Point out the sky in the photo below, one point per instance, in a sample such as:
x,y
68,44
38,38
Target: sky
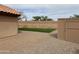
x,y
53,11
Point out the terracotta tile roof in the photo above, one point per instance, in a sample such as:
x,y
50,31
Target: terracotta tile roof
x,y
9,10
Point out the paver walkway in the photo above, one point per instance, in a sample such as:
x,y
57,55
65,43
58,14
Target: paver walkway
x,y
36,42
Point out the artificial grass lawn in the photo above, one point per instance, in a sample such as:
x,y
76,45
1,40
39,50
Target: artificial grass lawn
x,y
46,30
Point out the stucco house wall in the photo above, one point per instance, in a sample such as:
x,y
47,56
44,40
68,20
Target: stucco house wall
x,y
8,21
8,26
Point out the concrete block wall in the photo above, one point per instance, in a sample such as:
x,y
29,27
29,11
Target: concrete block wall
x,y
38,24
68,29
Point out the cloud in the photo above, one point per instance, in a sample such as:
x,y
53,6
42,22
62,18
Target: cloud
x,y
53,11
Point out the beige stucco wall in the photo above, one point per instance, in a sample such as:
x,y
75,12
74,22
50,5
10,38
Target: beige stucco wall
x,y
8,26
38,24
68,30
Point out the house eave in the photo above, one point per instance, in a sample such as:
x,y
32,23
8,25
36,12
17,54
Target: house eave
x,y
9,14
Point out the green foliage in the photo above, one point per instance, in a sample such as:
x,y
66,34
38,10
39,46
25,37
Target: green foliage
x,y
36,18
41,18
77,16
44,18
46,30
49,19
74,16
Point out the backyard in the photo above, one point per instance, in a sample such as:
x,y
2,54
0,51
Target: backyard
x,y
36,42
45,30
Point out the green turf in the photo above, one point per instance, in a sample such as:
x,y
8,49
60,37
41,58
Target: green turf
x,y
46,30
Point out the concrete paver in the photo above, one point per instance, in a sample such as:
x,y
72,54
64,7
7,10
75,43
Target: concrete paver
x,y
36,42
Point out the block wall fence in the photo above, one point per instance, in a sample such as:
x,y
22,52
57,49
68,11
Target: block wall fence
x,y
38,24
68,29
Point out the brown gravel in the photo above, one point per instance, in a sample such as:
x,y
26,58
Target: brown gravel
x,y
36,42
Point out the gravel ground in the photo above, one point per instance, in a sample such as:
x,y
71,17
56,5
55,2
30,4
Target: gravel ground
x,y
36,43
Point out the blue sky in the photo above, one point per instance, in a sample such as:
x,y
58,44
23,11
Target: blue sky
x,y
53,11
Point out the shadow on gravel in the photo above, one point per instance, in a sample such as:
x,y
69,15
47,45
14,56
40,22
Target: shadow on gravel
x,y
54,35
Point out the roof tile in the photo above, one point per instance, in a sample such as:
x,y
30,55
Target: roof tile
x,y
8,10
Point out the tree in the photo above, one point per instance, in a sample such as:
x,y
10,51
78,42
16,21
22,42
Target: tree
x,y
74,16
36,18
77,16
22,17
49,19
41,18
44,18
